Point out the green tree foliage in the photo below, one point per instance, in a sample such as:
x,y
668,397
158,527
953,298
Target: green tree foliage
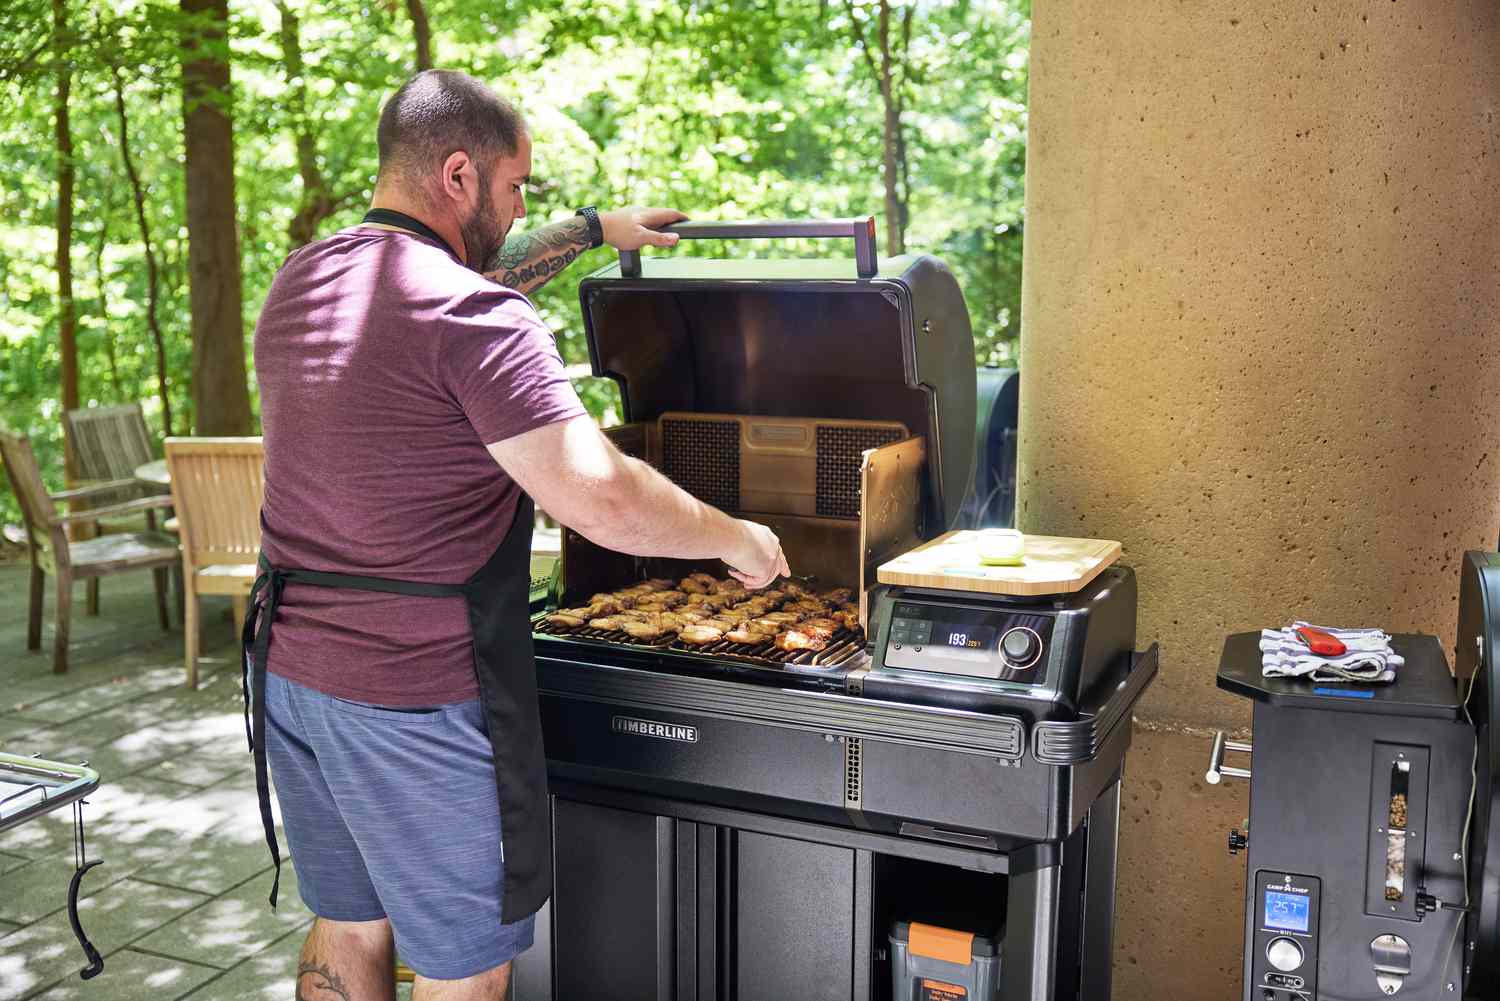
x,y
727,109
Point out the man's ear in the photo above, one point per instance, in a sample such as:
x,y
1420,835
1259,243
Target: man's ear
x,y
457,177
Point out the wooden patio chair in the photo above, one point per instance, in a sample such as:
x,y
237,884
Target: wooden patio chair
x,y
217,486
51,552
108,444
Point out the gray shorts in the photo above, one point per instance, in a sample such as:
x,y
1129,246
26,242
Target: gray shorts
x,y
393,813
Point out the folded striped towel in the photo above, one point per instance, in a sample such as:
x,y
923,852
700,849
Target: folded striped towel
x,y
1369,657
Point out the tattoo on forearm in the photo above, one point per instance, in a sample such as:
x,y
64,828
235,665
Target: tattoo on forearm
x,y
537,273
528,261
319,983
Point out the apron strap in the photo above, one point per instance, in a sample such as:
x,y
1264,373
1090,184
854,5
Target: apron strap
x,y
256,646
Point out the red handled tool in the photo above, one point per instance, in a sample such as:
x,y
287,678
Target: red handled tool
x,y
1324,644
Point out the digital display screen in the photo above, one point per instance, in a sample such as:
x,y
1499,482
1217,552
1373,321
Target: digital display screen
x,y
968,636
1287,911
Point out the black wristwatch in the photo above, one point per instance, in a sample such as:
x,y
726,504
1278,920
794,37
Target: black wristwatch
x,y
596,228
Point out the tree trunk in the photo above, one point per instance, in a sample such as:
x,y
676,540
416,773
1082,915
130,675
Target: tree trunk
x,y
67,322
422,31
893,139
316,203
111,356
152,281
895,210
221,398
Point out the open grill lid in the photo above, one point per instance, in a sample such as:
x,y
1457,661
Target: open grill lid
x,y
795,338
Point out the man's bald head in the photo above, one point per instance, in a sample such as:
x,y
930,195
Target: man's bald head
x,y
436,113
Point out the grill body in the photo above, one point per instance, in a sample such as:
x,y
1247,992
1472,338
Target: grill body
x,y
1373,812
733,823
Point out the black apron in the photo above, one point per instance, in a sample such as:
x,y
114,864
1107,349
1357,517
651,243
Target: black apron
x,y
498,597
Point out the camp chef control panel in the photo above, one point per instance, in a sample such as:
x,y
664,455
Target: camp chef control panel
x,y
1284,963
998,644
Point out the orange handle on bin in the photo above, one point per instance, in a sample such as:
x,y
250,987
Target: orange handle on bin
x,y
941,943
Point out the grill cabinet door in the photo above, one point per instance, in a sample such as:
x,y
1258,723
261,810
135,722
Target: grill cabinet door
x,y
794,919
614,904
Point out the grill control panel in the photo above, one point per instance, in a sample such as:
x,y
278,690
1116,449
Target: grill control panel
x,y
992,643
1284,957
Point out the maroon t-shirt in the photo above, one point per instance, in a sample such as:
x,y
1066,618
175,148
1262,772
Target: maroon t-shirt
x,y
385,366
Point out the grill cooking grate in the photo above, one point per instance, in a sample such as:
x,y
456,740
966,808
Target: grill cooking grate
x,y
841,647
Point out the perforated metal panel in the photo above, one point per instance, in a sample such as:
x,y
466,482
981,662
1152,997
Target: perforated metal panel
x,y
854,772
703,458
839,449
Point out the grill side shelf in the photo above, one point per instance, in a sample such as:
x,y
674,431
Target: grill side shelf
x,y
1073,742
923,726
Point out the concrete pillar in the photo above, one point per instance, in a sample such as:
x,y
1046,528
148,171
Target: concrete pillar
x,y
1260,346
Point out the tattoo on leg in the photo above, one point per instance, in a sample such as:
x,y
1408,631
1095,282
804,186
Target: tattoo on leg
x,y
319,983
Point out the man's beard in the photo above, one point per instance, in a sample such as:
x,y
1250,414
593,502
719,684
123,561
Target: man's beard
x,y
481,233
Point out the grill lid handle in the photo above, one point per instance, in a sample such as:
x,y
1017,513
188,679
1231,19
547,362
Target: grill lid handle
x,y
861,229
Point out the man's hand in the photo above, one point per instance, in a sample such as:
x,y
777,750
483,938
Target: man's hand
x,y
759,559
634,227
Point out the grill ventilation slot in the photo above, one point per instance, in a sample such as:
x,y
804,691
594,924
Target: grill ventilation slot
x,y
703,458
839,449
854,774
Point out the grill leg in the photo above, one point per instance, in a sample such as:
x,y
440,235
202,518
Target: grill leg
x,y
1097,948
1031,936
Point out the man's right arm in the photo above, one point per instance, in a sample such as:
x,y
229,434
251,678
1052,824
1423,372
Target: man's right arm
x,y
578,477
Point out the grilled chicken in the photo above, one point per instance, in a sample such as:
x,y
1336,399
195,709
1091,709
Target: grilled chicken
x,y
657,584
609,623
784,617
662,600
641,630
811,606
796,639
838,596
617,600
847,616
795,590
752,633
571,618
819,627
700,635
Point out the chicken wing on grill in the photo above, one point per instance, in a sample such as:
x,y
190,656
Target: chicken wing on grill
x,y
811,606
642,629
837,596
754,633
796,639
824,628
570,618
662,600
700,635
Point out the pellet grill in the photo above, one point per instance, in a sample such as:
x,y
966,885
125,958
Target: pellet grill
x,y
1373,849
739,822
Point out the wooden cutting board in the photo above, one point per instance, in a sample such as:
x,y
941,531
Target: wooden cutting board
x,y
1053,565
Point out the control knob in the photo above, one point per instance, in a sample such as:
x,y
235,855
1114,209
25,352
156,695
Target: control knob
x,y
1284,954
1020,646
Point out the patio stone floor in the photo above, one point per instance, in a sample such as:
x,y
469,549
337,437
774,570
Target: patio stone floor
x,y
178,909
